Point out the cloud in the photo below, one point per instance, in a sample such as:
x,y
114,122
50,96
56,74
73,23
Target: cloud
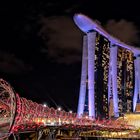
x,y
62,38
124,30
10,64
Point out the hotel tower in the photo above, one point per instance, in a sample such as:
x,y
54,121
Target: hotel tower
x,y
110,74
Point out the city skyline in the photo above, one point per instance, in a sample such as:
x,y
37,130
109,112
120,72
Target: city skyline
x,y
25,61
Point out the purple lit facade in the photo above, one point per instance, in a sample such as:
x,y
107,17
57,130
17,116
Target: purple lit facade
x,y
82,94
113,75
115,78
137,82
87,72
91,53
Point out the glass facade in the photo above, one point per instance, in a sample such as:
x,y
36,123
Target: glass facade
x,y
125,79
102,53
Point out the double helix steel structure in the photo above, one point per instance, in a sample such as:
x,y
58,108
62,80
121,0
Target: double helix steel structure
x,y
17,114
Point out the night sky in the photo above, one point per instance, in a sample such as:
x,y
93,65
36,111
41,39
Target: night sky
x,y
40,46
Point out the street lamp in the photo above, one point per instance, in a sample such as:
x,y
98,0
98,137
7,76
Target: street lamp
x,y
59,108
70,111
45,105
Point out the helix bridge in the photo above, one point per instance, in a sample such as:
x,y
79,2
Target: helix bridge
x,y
18,114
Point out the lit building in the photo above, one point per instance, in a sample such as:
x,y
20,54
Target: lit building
x,y
101,76
125,80
110,74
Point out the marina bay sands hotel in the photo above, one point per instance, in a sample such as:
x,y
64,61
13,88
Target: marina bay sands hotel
x,y
110,76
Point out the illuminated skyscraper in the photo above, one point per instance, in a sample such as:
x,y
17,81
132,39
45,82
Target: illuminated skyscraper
x,y
101,71
125,79
110,72
87,75
94,76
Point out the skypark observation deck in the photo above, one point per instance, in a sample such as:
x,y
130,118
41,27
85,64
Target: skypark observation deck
x,y
86,25
112,70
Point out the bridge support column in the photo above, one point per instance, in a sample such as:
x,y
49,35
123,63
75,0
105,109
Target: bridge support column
x,y
113,74
137,82
91,61
82,93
